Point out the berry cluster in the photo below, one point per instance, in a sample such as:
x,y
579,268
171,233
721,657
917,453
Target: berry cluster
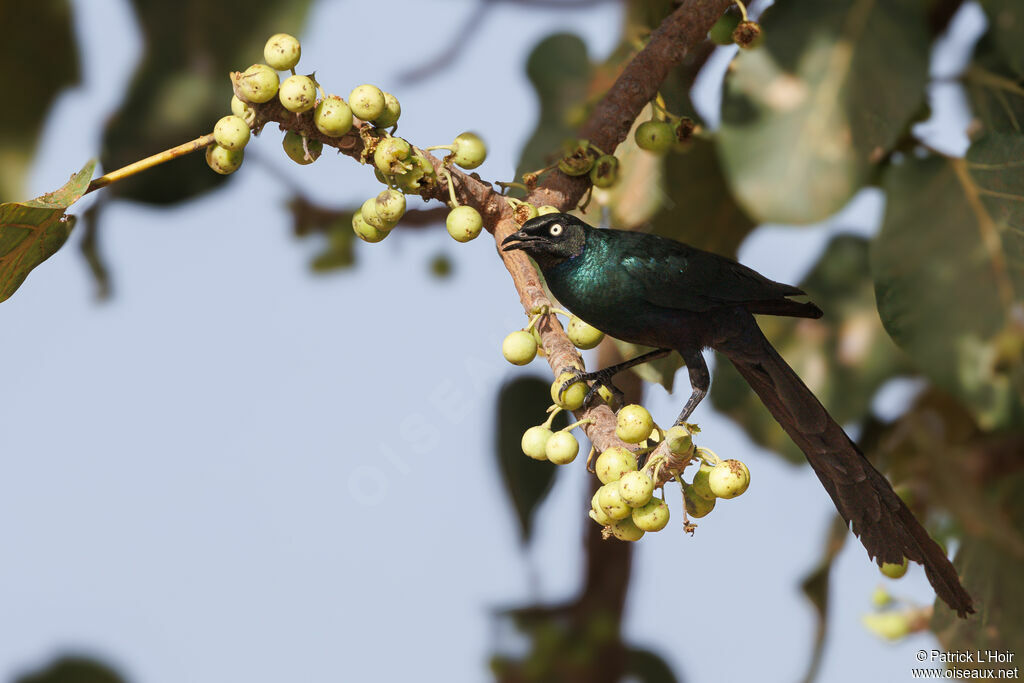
x,y
403,168
625,503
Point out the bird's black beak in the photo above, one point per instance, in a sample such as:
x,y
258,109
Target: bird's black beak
x,y
519,240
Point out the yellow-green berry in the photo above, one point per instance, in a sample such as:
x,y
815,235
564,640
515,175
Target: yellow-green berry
x,y
470,151
282,51
697,506
370,215
519,347
392,110
701,482
390,155
241,109
464,223
654,136
633,424
596,513
729,479
573,396
390,205
582,334
888,625
613,462
651,517
523,212
257,84
626,530
893,570
293,147
367,102
611,502
332,116
546,209
636,488
605,172
223,160
365,231
231,132
535,441
747,34
297,93
680,439
562,448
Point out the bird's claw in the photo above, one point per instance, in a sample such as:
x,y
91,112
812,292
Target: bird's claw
x,y
600,379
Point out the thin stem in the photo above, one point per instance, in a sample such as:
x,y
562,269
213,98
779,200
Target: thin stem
x,y
743,9
151,161
451,186
576,424
551,417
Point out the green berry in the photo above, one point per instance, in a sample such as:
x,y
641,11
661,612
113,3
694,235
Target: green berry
x,y
470,151
729,479
636,488
880,597
223,160
365,231
390,205
392,110
605,172
697,506
888,625
535,441
578,159
367,102
257,84
562,448
231,132
416,178
633,424
627,530
701,484
371,216
519,347
297,94
523,212
390,155
293,147
241,109
651,517
680,439
611,502
282,51
573,396
613,463
894,571
332,116
583,335
654,136
596,513
464,223
546,209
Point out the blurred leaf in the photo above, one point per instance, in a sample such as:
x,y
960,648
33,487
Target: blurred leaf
x,y
90,249
843,357
73,669
33,231
648,667
991,573
521,404
996,92
661,371
560,71
816,587
181,87
807,115
336,224
1006,25
40,57
948,266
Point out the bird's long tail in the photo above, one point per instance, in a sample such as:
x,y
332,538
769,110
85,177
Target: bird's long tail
x,y
865,499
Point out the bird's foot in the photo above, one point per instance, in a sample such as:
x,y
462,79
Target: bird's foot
x,y
601,379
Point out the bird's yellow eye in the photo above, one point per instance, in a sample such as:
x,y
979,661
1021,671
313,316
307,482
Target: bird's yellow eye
x,y
556,230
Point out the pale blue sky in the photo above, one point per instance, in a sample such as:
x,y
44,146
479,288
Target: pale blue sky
x,y
238,471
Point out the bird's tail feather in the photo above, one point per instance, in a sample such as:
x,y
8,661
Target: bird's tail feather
x,y
864,498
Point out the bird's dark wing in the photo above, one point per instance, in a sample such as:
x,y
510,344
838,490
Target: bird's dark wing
x,y
678,276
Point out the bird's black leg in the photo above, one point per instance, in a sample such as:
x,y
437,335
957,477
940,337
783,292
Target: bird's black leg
x,y
700,380
603,378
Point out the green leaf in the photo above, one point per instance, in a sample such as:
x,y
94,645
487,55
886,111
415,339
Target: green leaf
x,y
73,669
560,71
40,57
33,231
1006,26
646,666
521,404
948,267
806,116
995,91
843,357
182,87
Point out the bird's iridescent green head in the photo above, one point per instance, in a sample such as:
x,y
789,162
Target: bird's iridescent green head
x,y
550,239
